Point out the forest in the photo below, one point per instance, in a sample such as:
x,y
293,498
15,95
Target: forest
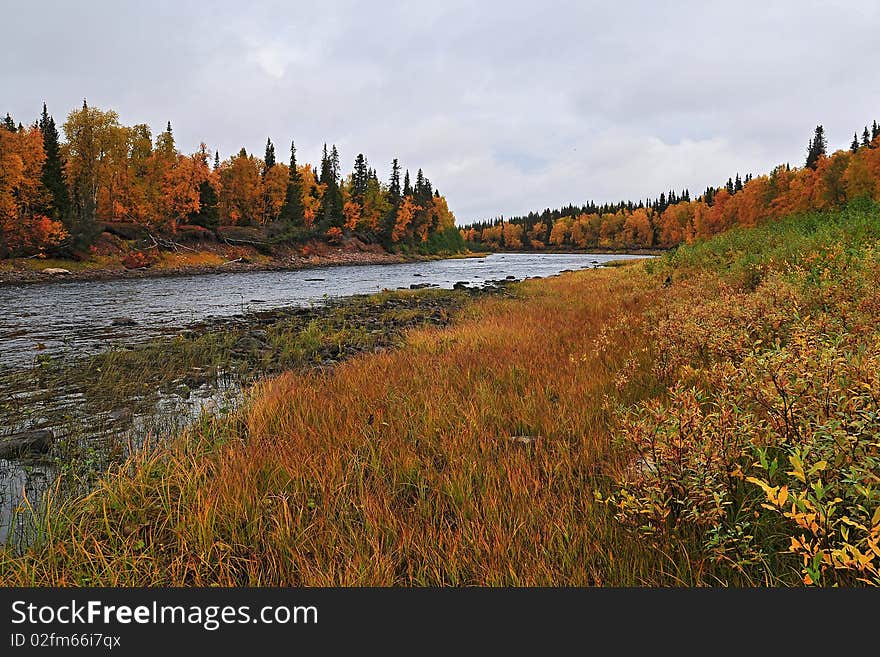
x,y
825,182
58,195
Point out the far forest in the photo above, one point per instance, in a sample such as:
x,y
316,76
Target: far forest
x,y
824,182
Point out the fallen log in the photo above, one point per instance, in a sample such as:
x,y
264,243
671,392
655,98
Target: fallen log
x,y
29,442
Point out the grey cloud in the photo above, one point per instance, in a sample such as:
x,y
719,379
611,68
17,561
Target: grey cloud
x,y
507,106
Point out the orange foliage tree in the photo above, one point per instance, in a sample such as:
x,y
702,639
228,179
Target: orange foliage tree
x,y
23,229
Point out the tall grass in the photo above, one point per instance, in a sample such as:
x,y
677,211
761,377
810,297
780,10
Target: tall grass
x,y
469,456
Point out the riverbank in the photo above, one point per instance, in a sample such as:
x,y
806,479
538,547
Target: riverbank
x,y
187,263
587,251
707,418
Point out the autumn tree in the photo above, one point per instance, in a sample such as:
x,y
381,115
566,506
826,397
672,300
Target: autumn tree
x,y
405,214
637,230
241,193
92,136
181,188
24,229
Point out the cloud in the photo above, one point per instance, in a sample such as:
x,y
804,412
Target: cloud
x,y
271,59
506,106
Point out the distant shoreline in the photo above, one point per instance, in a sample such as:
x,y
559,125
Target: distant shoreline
x,y
22,275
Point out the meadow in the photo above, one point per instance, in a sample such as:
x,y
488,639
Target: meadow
x,y
709,417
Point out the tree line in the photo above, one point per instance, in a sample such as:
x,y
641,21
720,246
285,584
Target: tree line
x,y
57,195
825,181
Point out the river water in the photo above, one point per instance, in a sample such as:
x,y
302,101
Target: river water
x,y
75,319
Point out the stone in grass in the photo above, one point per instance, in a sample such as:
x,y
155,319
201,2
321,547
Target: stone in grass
x,y
55,271
29,442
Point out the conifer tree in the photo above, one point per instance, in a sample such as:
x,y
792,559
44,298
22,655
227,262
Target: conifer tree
x,y
866,138
737,185
331,202
292,212
269,159
208,215
407,188
359,178
875,130
53,169
216,160
393,197
324,177
854,146
817,148
8,123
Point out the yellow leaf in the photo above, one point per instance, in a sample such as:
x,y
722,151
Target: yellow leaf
x,y
798,466
783,495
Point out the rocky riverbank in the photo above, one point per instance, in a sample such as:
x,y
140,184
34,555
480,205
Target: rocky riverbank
x,y
19,272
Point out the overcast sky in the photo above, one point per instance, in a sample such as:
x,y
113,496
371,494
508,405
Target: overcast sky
x,y
507,106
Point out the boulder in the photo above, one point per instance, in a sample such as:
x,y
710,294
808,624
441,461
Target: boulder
x,y
125,229
123,321
30,442
55,271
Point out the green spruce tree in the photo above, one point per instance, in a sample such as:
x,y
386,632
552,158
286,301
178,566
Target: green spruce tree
x,y
359,178
818,147
293,212
269,158
53,170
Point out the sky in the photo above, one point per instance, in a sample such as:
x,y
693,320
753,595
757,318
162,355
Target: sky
x,y
507,106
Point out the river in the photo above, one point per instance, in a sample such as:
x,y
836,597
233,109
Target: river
x,y
76,318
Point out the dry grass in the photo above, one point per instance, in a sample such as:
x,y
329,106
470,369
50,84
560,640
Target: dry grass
x,y
174,260
469,456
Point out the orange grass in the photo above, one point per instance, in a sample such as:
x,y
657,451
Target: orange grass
x,y
396,468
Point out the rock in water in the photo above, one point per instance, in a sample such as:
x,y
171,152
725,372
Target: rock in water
x,y
123,321
30,442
